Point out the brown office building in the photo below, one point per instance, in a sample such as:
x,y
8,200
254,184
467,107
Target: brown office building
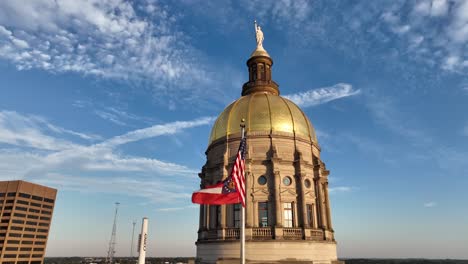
x,y
25,212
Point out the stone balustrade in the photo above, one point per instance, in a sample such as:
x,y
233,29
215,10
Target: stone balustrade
x,y
232,233
268,233
292,233
262,233
316,234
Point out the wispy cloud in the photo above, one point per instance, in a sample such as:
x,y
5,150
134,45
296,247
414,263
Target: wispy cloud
x,y
465,130
119,40
30,131
280,11
430,204
386,113
154,190
64,159
341,189
323,95
172,209
156,130
433,32
444,44
109,117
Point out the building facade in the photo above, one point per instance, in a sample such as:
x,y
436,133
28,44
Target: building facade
x,y
288,218
25,215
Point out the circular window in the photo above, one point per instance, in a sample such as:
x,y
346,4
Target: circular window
x,y
262,180
307,183
287,181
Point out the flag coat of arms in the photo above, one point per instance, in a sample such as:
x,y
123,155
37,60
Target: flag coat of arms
x,y
229,191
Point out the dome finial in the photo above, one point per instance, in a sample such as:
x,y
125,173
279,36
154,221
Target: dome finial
x,y
259,51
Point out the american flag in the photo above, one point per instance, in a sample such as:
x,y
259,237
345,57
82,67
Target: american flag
x,y
238,171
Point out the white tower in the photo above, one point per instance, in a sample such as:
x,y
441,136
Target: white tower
x,y
142,241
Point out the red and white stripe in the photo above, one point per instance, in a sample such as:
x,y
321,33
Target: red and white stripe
x,y
238,176
214,195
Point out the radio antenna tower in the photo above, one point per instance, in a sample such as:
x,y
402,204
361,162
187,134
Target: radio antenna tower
x,y
133,235
111,252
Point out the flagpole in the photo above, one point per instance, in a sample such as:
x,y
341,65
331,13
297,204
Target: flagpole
x,y
242,242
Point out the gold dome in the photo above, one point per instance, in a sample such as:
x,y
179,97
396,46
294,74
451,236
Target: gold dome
x,y
263,112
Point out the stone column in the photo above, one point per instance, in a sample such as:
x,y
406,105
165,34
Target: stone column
x,y
278,208
255,213
323,205
314,215
295,208
223,222
201,223
278,226
207,216
303,207
248,196
327,203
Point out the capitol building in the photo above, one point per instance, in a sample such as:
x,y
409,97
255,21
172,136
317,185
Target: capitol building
x,y
288,218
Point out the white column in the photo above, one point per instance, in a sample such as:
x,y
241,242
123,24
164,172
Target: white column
x,y
143,238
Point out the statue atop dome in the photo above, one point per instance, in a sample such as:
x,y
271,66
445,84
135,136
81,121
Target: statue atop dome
x,y
259,50
258,35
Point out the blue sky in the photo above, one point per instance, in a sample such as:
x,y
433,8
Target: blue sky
x,y
113,100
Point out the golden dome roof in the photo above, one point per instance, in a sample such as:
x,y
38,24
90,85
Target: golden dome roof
x,y
261,106
263,112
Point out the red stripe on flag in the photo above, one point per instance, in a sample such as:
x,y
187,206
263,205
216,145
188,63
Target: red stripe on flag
x,y
215,198
238,174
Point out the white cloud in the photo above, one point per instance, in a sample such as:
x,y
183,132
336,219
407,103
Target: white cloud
x,y
439,7
31,131
172,209
20,43
340,189
27,131
465,130
152,190
41,156
111,117
323,95
435,8
104,38
281,10
386,113
4,31
115,115
156,130
451,62
430,204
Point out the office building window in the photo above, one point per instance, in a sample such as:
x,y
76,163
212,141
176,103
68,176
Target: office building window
x,y
47,200
24,195
37,198
22,202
